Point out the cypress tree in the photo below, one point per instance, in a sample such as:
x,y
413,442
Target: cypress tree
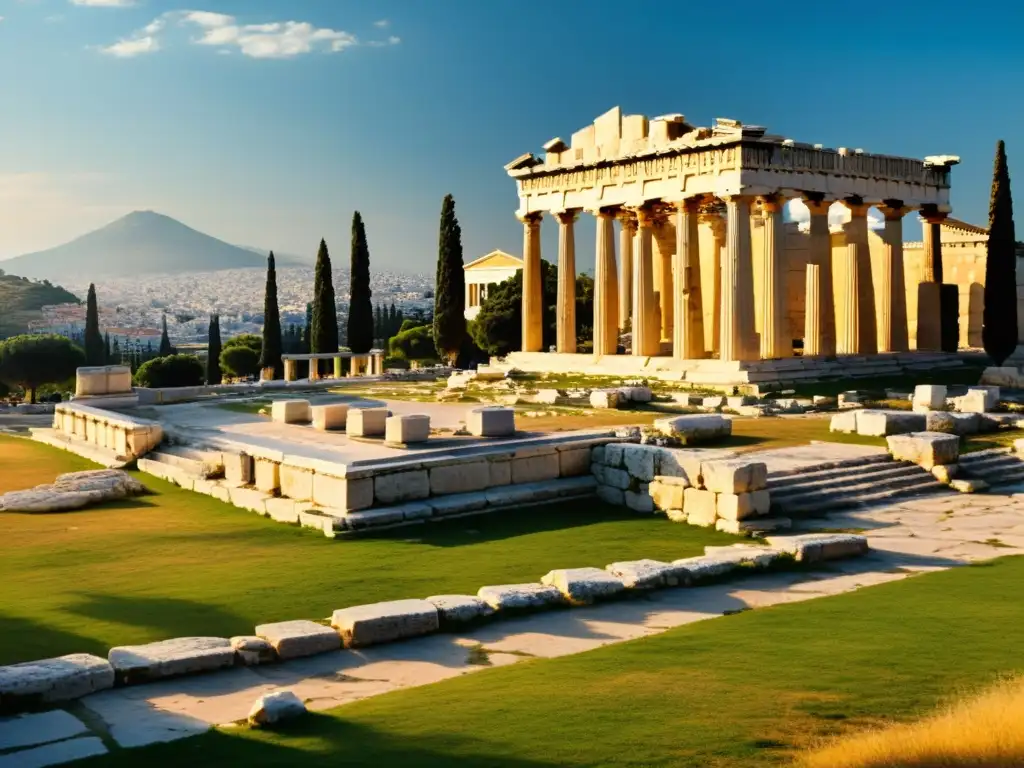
x,y
450,287
323,335
94,349
999,320
165,341
116,353
378,324
360,310
107,354
213,350
392,318
270,353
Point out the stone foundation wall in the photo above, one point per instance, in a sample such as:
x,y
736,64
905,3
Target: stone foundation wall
x,y
125,436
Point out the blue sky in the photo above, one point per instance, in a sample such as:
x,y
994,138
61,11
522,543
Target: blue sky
x,y
272,135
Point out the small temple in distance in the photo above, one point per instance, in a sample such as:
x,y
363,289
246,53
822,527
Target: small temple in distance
x,y
710,281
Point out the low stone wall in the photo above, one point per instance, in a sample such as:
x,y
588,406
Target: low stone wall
x,y
127,437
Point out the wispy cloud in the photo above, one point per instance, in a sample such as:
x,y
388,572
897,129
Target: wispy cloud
x,y
392,40
131,47
382,24
105,3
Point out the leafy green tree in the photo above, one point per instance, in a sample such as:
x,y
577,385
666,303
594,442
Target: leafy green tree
x,y
498,328
213,350
31,361
414,344
270,352
165,341
450,286
170,371
999,320
93,342
360,308
240,360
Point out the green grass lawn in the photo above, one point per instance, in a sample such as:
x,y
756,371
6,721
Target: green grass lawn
x,y
177,563
750,689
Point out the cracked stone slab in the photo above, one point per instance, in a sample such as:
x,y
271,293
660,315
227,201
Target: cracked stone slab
x,y
54,754
33,729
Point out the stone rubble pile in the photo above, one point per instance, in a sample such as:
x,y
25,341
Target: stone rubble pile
x,y
73,490
51,681
688,486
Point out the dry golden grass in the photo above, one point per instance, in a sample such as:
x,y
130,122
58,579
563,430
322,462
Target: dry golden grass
x,y
984,731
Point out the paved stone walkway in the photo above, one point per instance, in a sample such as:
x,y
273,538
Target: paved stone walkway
x,y
914,536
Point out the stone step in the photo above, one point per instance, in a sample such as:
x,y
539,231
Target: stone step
x,y
102,456
857,476
172,473
195,463
796,475
823,503
910,480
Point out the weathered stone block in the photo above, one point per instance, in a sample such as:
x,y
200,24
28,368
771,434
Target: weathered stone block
x,y
817,547
329,416
238,468
972,485
414,428
247,498
513,597
844,422
953,423
491,421
684,463
636,394
695,428
342,492
294,639
648,574
613,455
574,462
944,473
283,510
700,507
454,610
268,476
368,518
460,478
610,495
366,422
640,461
32,683
882,423
273,708
925,448
606,398
582,586
401,486
532,469
290,411
735,506
640,501
667,495
734,475
616,478
251,651
739,401
296,482
931,397
170,658
500,471
457,503
753,525
384,622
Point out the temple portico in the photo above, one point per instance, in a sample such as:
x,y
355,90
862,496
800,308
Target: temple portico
x,y
705,264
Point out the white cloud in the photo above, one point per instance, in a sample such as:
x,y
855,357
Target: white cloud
x,y
382,24
131,47
105,3
392,40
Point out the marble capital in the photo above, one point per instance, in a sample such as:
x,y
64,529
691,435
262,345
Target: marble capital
x,y
857,207
566,217
530,219
893,210
772,203
818,206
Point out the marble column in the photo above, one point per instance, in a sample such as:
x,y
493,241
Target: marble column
x,y
533,300
932,228
337,367
820,246
663,280
892,295
737,306
565,338
290,373
774,336
606,287
812,312
716,223
688,330
646,341
627,229
314,369
858,298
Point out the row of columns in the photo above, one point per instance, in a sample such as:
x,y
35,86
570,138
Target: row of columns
x,y
631,294
369,364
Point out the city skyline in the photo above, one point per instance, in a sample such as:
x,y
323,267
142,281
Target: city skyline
x,y
269,127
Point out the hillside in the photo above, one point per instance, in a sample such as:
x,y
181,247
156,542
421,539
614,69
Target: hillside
x,y
140,243
21,299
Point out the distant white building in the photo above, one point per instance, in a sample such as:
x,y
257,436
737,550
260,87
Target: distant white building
x,y
495,267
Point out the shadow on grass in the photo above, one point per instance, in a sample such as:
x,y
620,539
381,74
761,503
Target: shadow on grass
x,y
318,741
26,640
166,617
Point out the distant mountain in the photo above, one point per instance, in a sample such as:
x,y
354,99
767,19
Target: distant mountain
x,y
140,243
282,259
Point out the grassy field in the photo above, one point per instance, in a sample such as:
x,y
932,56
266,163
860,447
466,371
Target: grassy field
x,y
753,689
177,563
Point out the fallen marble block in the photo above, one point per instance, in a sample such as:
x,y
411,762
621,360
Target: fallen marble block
x,y
491,421
648,574
272,708
606,398
170,658
412,428
925,448
384,622
734,475
583,586
720,561
695,428
459,609
817,547
844,422
294,639
968,485
872,423
252,651
520,597
47,681
704,568
290,411
73,490
929,397
953,423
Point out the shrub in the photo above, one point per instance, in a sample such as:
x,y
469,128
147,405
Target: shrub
x,y
170,371
414,344
240,361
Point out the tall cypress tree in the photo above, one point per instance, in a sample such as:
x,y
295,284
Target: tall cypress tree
x,y
324,328
107,354
93,342
999,320
450,288
213,350
360,309
270,353
165,341
378,327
